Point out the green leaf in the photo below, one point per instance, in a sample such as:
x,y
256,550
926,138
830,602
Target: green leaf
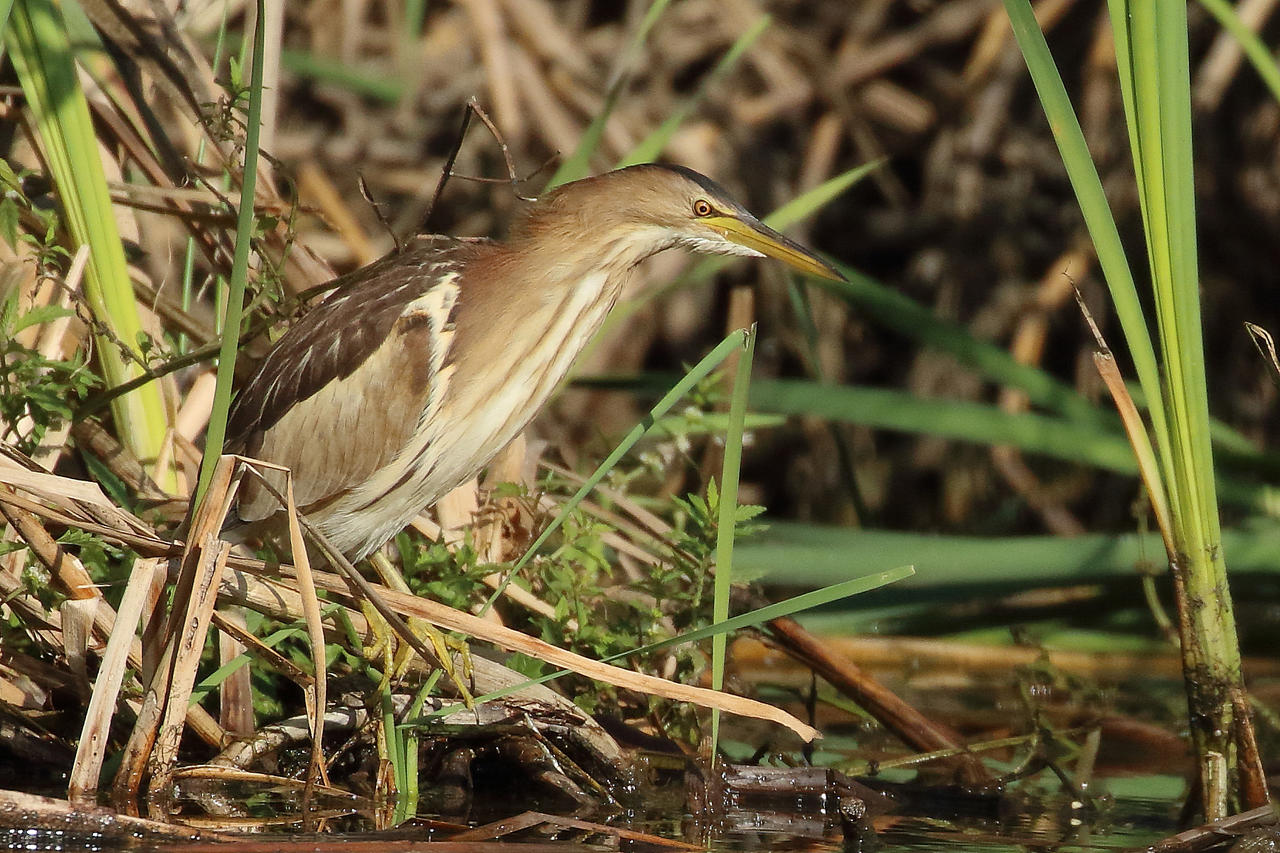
x,y
957,419
9,217
1093,205
727,512
9,178
810,554
1255,49
40,314
234,301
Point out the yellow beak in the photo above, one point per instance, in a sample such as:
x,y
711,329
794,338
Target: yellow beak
x,y
758,237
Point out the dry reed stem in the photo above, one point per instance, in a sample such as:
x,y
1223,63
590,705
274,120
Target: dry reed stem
x,y
122,643
65,566
1136,430
317,692
153,744
1266,345
528,820
235,693
946,657
269,596
189,621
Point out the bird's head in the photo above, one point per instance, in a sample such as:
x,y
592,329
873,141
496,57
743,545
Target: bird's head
x,y
652,207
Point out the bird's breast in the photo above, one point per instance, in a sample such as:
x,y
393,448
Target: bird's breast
x,y
489,385
502,380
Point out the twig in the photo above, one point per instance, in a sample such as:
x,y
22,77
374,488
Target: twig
x,y
447,171
912,727
382,217
473,108
1216,832
1266,348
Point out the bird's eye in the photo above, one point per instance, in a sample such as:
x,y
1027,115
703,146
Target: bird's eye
x,y
702,207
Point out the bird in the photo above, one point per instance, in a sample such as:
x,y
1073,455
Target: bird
x,y
421,366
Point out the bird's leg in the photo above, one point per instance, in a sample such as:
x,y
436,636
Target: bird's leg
x,y
381,646
420,627
392,619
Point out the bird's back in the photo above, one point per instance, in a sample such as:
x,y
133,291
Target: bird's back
x,y
342,391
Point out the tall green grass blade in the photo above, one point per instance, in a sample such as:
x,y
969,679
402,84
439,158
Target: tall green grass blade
x,y
1097,214
803,555
407,802
1255,49
190,251
578,164
809,554
1161,142
957,419
41,54
908,317
727,520
394,740
5,7
234,302
652,145
809,202
1155,82
963,420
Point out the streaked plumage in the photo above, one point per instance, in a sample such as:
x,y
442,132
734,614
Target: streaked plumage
x,y
421,366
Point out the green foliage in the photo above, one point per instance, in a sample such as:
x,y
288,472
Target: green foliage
x,y
595,611
612,616
693,545
449,575
92,550
1175,454
233,303
44,390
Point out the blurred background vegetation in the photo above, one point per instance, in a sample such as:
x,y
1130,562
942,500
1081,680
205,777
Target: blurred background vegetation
x,y
949,389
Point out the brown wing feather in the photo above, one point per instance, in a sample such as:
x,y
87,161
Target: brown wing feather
x,y
340,393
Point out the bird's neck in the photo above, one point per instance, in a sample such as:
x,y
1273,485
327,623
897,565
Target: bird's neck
x,y
572,235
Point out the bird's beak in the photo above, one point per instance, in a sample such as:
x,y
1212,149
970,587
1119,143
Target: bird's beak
x,y
758,237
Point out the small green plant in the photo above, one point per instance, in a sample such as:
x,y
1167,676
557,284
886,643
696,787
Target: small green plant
x,y
37,394
449,575
693,546
600,615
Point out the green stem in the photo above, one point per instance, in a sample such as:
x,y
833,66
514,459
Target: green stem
x,y
217,432
727,519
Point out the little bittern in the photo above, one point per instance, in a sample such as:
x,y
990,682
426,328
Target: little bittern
x,y
420,367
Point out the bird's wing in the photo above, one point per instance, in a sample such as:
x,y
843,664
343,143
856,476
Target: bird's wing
x,y
341,392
